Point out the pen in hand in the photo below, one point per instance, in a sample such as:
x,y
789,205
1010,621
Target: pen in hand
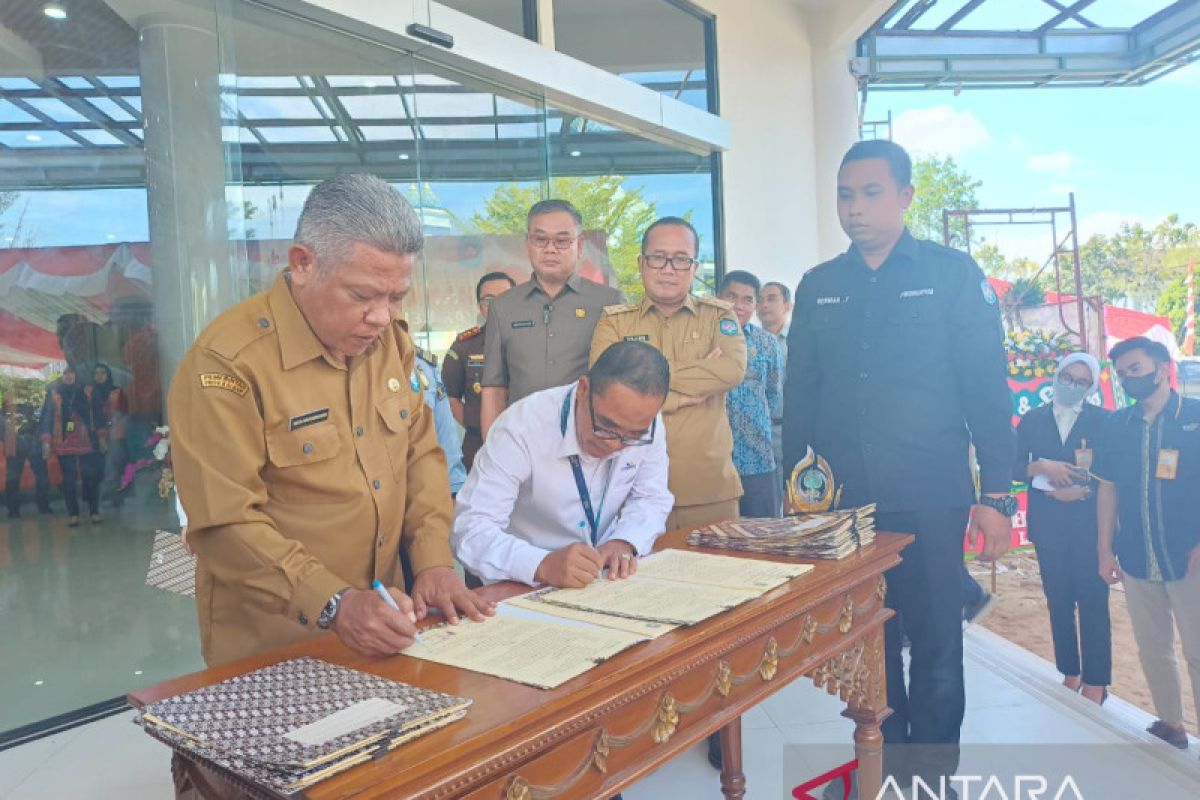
x,y
382,591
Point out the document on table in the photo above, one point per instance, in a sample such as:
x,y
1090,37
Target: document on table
x,y
541,654
647,629
713,570
652,599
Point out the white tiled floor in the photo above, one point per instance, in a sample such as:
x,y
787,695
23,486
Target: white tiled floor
x,y
1012,697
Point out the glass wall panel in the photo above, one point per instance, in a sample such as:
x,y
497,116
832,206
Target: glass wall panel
x,y
622,182
655,43
90,310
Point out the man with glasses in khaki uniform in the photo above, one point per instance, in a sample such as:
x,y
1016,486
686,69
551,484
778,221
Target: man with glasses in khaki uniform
x,y
537,333
703,344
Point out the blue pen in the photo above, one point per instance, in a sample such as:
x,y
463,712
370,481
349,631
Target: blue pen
x,y
382,591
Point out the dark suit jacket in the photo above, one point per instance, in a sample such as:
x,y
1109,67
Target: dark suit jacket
x,y
1037,437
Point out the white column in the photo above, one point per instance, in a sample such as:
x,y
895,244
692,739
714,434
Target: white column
x,y
835,118
185,180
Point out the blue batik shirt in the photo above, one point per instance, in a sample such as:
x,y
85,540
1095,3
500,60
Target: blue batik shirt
x,y
443,421
753,403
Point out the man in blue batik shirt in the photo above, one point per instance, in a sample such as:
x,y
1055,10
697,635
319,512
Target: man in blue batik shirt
x,y
754,403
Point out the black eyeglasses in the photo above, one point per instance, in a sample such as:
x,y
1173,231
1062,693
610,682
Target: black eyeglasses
x,y
613,436
541,241
1067,380
677,263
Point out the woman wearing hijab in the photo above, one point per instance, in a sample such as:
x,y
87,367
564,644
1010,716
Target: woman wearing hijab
x,y
77,434
1055,443
112,404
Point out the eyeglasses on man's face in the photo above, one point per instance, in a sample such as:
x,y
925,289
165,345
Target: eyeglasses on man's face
x,y
613,436
541,241
677,263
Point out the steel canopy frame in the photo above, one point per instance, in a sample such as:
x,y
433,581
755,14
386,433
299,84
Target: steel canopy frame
x,y
1068,49
1068,245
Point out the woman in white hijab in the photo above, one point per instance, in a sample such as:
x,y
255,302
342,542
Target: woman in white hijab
x,y
1055,443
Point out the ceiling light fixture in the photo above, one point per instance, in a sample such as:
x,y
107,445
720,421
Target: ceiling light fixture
x,y
32,137
404,156
54,11
575,154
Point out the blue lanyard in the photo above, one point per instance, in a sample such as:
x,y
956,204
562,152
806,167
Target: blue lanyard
x,y
585,497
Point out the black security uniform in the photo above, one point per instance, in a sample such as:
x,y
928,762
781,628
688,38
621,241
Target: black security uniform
x,y
892,374
462,375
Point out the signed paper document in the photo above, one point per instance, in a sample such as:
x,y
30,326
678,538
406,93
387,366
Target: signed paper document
x,y
654,600
713,570
646,629
541,654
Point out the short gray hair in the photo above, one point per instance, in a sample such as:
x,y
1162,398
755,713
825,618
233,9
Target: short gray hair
x,y
356,208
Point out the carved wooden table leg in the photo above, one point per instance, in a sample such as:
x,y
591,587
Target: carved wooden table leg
x,y
863,685
733,779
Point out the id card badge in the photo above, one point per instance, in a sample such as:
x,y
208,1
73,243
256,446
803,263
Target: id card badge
x,y
1168,465
71,426
1084,456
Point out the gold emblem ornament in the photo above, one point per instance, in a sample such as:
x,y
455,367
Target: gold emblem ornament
x,y
230,383
393,384
477,388
666,718
581,312
811,489
769,664
724,679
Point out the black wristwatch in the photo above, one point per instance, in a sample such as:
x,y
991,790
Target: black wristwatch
x,y
329,613
1006,505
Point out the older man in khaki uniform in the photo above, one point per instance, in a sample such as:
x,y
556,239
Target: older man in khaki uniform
x,y
304,453
703,344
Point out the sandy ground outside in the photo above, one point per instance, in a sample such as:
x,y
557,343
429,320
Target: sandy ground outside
x,y
1021,617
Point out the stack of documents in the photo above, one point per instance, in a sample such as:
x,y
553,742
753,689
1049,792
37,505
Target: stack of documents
x,y
293,724
833,534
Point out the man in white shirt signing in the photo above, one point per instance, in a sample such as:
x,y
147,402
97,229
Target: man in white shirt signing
x,y
571,480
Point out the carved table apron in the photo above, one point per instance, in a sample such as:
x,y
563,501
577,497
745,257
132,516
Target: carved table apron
x,y
615,724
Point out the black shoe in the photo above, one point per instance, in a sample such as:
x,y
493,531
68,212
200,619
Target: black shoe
x,y
977,611
715,755
1172,736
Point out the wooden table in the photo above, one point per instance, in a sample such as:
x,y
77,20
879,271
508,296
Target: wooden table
x,y
605,729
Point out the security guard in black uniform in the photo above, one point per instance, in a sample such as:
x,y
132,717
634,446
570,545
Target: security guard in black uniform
x,y
896,365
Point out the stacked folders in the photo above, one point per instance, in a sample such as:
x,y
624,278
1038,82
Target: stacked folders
x,y
292,724
832,534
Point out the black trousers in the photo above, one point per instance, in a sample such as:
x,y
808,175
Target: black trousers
x,y
1071,580
30,450
760,495
89,468
926,591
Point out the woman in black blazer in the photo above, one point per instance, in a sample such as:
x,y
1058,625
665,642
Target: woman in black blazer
x,y
1055,443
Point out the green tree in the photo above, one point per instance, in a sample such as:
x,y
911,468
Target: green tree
x,y
940,185
1136,265
605,202
18,236
1173,305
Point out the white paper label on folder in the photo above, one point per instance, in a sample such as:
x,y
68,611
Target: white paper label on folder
x,y
348,720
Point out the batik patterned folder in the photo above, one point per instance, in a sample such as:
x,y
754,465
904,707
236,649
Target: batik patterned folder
x,y
291,724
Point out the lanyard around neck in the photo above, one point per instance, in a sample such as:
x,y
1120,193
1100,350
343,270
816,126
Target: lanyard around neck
x,y
585,497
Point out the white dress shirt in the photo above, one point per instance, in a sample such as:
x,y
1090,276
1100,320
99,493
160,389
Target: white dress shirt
x,y
520,502
1064,418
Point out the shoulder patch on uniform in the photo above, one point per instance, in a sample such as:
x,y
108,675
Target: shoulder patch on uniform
x,y
452,353
470,333
620,308
235,336
219,380
989,294
728,327
724,305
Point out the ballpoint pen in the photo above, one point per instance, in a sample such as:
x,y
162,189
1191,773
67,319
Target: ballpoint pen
x,y
382,591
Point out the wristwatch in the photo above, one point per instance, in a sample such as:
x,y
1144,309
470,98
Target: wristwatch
x,y
329,613
1006,505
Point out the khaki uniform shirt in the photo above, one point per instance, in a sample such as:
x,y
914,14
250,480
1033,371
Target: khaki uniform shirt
x,y
699,441
532,342
300,476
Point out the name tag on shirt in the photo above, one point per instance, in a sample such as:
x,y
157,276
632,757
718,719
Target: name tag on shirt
x,y
523,323
1084,458
1168,465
